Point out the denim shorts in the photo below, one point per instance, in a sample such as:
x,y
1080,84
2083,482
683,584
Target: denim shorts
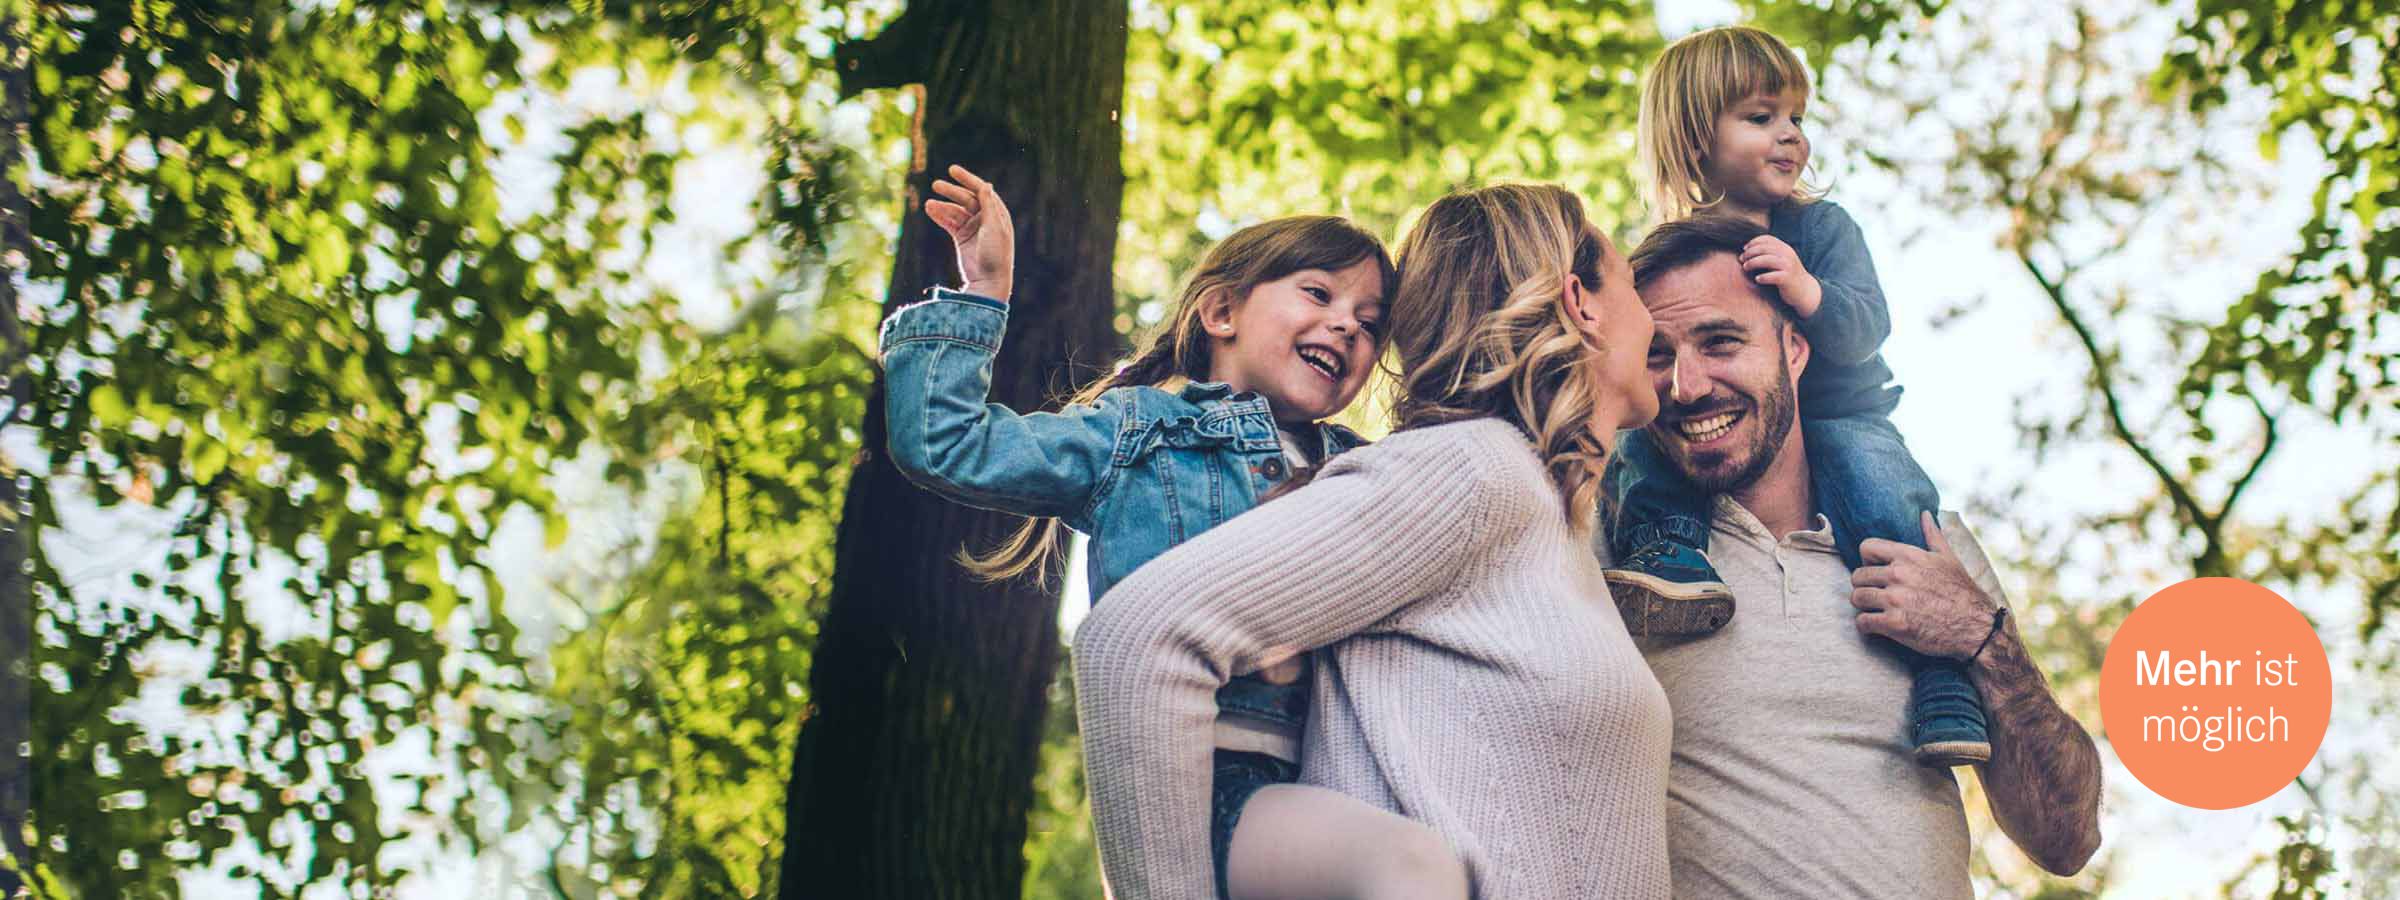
x,y
1239,775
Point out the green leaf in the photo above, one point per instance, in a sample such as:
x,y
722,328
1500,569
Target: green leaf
x,y
209,460
108,407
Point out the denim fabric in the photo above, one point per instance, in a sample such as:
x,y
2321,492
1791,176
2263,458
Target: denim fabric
x,y
1239,776
1869,486
1846,373
1649,500
1139,471
1866,482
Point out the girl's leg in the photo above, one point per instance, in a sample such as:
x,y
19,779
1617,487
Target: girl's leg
x,y
1871,487
1309,843
1657,532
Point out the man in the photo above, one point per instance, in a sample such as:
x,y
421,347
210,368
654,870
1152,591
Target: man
x,y
1790,773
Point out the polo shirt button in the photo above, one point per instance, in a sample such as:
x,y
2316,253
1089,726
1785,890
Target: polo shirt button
x,y
1272,468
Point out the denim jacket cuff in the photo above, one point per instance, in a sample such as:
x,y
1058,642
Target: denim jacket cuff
x,y
942,293
950,315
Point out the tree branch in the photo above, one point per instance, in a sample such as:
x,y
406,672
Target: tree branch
x,y
2256,462
2104,377
895,56
724,507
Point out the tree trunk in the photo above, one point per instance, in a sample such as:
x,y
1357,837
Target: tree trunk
x,y
16,528
914,770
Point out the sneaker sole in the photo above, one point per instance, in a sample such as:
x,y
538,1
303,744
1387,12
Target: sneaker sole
x,y
1669,590
1655,607
1948,754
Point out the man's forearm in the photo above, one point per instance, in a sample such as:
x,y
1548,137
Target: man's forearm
x,y
2044,777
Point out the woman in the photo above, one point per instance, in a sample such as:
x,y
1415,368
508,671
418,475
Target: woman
x,y
1474,677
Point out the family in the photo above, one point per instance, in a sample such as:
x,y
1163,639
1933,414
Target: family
x,y
1642,596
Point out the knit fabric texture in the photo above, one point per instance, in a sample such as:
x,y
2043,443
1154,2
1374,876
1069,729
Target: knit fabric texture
x,y
1473,674
1791,775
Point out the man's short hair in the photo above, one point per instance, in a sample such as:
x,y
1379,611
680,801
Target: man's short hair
x,y
1674,245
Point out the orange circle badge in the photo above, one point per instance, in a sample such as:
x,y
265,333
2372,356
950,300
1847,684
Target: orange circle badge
x,y
2215,693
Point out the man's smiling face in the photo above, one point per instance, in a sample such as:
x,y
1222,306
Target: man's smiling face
x,y
1724,362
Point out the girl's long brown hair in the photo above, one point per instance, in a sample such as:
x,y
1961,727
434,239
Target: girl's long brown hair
x,y
1179,349
1479,327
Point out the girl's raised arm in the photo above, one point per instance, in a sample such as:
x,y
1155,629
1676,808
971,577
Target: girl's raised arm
x,y
937,365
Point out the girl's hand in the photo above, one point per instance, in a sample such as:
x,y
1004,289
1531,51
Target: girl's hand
x,y
979,224
1771,262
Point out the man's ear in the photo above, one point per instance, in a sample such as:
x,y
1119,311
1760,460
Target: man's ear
x,y
1795,349
1216,313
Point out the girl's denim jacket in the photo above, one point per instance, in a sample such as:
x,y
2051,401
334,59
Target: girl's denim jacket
x,y
1140,470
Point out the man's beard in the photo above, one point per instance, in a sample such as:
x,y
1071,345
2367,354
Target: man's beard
x,y
1778,410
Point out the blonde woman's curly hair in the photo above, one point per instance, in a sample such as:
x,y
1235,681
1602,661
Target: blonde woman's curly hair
x,y
1478,326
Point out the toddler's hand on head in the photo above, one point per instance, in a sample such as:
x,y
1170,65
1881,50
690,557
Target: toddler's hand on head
x,y
979,225
1771,262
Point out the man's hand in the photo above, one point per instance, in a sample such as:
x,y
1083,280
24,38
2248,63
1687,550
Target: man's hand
x,y
2043,781
980,227
1771,262
1923,599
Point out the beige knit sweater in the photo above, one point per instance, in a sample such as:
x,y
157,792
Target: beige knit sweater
x,y
1474,676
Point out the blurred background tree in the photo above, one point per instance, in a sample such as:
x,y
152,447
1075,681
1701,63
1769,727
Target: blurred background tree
x,y
289,334
437,419
283,310
913,771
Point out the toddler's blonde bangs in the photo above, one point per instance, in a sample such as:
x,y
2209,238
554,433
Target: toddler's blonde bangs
x,y
1690,85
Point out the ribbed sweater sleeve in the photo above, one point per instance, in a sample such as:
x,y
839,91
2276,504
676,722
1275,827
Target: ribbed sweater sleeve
x,y
1381,528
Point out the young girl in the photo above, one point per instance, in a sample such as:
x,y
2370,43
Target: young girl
x,y
1277,330
1720,135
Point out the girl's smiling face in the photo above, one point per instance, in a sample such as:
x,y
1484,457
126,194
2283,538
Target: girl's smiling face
x,y
1759,151
1304,341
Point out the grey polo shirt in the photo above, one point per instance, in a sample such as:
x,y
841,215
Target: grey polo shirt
x,y
1791,774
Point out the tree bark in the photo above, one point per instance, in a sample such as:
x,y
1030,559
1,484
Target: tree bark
x,y
913,773
16,528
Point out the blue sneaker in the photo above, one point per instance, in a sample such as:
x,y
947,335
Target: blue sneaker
x,y
1945,715
1666,589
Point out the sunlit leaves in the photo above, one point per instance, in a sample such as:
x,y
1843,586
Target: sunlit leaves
x,y
2326,325
1242,111
274,297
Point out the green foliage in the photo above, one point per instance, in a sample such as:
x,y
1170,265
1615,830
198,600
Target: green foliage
x,y
1818,29
1062,859
679,697
679,704
288,306
2325,325
232,206
1246,110
2312,325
